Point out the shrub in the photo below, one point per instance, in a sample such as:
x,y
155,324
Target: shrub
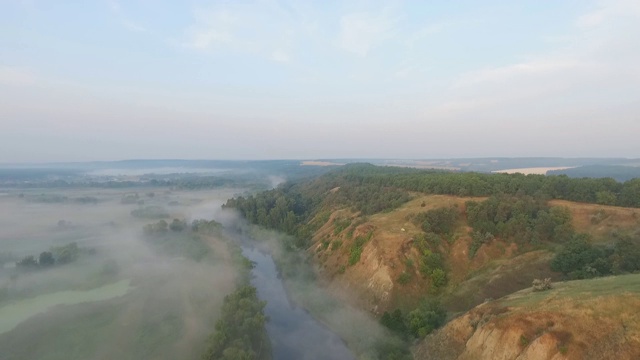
x,y
426,318
404,278
340,225
439,221
356,248
542,285
438,278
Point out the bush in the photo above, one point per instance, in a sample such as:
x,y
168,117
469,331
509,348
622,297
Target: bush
x,y
394,321
46,259
202,226
438,278
418,323
581,260
427,317
27,263
404,278
440,221
542,285
177,225
356,248
66,254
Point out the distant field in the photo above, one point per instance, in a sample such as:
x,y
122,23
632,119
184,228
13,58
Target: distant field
x,y
318,163
533,170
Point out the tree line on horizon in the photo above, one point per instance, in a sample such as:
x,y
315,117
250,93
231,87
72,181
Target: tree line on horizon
x,y
370,189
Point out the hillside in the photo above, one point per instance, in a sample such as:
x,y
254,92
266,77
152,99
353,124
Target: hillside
x,y
388,275
378,242
583,319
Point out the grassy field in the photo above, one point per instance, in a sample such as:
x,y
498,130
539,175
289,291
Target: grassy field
x,y
172,303
576,291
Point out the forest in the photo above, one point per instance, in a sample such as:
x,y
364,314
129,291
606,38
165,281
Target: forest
x,y
512,207
370,189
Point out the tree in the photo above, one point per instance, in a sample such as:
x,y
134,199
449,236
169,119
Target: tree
x,y
438,278
177,225
27,263
394,321
426,318
579,259
46,259
627,256
66,254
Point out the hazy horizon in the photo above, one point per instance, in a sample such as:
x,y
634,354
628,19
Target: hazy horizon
x,y
111,80
338,160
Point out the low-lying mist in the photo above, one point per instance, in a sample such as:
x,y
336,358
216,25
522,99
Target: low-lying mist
x,y
112,290
142,273
361,332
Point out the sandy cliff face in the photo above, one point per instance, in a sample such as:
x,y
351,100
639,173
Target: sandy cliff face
x,y
373,281
589,319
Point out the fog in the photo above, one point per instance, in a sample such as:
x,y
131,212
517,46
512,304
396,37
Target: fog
x,y
144,282
358,329
157,171
123,297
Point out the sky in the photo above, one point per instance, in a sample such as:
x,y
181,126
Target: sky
x,y
115,79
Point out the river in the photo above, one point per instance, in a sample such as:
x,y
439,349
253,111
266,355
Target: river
x,y
294,333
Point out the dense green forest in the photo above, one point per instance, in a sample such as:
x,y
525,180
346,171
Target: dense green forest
x,y
370,189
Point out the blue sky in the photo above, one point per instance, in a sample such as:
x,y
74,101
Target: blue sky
x,y
106,80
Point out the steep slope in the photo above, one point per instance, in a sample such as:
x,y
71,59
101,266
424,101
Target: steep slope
x,y
388,239
583,319
387,273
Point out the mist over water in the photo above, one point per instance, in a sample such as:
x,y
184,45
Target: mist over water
x,y
136,294
293,332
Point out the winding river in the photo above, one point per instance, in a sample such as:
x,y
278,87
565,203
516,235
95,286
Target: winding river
x,y
294,334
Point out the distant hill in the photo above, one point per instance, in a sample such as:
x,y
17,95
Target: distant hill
x,y
504,163
618,172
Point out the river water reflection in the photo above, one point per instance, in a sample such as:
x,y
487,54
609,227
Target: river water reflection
x,y
294,334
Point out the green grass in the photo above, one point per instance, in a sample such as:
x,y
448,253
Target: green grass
x,y
578,290
340,225
356,248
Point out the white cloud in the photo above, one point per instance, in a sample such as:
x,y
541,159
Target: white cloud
x,y
596,67
361,32
16,76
